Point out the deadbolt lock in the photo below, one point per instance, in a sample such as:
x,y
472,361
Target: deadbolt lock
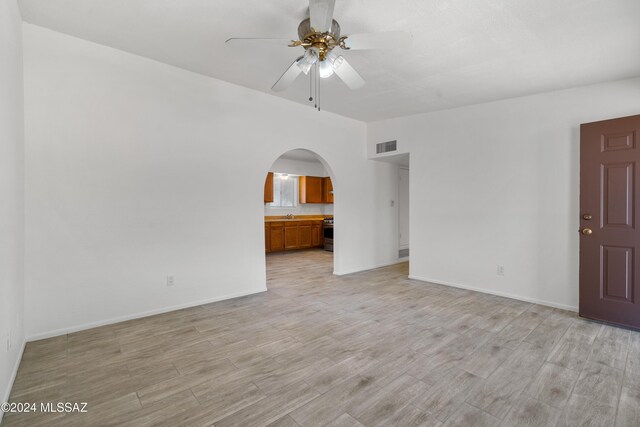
x,y
586,231
587,217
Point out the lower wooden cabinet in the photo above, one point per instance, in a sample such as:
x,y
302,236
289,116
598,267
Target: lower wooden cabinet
x,y
304,236
289,235
276,237
316,235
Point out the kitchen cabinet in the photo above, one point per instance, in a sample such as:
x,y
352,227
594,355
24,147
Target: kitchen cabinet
x,y
304,236
315,189
276,236
267,237
327,190
268,188
316,235
310,189
293,234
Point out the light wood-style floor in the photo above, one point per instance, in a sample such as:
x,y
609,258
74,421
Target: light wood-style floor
x,y
371,349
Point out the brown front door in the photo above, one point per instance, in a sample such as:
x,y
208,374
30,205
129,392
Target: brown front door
x,y
609,221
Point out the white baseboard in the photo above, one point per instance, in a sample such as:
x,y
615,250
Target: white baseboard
x,y
496,293
63,331
14,373
359,270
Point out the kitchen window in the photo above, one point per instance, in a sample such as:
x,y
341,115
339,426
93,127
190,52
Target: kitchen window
x,y
285,191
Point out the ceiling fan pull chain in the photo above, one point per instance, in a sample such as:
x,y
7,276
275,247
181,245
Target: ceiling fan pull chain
x,y
319,87
311,85
315,83
318,82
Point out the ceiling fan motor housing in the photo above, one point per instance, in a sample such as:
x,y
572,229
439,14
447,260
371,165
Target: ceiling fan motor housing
x,y
322,42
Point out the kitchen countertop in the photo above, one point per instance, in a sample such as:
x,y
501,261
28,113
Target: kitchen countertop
x,y
294,219
297,218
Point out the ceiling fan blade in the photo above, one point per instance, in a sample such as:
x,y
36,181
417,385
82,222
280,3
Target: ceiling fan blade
x,y
347,73
288,77
321,14
390,40
251,41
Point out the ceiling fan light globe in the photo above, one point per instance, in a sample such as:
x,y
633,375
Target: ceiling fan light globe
x,y
326,69
306,62
331,57
303,66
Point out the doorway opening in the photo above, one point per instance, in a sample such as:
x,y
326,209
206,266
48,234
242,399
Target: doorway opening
x,y
298,217
401,163
403,212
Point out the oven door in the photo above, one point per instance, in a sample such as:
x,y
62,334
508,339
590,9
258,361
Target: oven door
x,y
328,237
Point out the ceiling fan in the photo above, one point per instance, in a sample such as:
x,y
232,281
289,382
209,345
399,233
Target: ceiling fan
x,y
319,35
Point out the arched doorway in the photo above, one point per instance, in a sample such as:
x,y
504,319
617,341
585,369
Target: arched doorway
x,y
298,213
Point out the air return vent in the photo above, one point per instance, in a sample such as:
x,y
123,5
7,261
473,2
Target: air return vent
x,y
386,147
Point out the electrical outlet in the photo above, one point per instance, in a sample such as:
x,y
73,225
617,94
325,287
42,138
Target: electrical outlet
x,y
170,281
500,270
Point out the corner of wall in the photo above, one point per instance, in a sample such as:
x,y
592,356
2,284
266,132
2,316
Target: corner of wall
x,y
14,374
12,214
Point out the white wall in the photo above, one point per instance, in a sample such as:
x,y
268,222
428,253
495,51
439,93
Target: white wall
x,y
11,195
498,183
300,167
124,159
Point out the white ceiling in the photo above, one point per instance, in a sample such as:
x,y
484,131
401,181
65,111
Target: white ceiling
x,y
301,155
464,51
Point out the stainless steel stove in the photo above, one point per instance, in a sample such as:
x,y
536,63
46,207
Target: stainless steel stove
x,y
328,234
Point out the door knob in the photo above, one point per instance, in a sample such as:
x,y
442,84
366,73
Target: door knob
x,y
586,231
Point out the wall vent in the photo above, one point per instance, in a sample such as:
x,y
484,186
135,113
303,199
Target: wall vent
x,y
403,253
385,147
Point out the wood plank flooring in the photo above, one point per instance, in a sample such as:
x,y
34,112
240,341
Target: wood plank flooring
x,y
371,349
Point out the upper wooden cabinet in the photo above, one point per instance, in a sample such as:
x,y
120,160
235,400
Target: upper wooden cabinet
x,y
310,189
327,190
268,188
